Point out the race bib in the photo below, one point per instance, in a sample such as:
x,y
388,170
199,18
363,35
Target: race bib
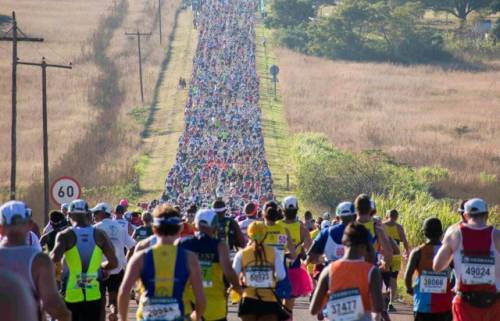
x,y
345,305
86,281
433,282
207,273
161,310
259,277
281,239
478,270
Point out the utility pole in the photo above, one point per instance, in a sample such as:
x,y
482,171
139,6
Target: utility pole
x,y
13,149
44,67
159,18
138,35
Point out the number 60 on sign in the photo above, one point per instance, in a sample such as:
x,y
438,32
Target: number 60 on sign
x,y
65,189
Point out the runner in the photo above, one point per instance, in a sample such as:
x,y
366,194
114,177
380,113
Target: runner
x,y
32,239
308,221
213,255
33,267
58,223
365,207
119,213
163,271
299,278
251,210
188,225
48,228
474,248
350,282
229,230
16,300
83,247
397,235
432,291
260,267
146,230
121,242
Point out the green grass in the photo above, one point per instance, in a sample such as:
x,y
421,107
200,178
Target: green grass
x,y
275,128
140,115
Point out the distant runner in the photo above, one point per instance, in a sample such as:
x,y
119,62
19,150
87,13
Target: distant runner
x,y
146,230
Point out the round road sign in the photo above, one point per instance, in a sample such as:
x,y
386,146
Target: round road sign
x,y
65,189
274,70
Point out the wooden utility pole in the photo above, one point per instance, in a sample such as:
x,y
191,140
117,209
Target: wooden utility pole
x,y
44,67
159,18
13,149
138,35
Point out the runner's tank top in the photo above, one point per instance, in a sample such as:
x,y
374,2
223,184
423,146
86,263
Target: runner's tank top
x,y
259,276
276,237
476,261
19,259
432,291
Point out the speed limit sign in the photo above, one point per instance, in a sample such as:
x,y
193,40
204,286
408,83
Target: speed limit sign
x,y
65,189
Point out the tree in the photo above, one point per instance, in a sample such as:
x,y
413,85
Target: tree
x,y
287,13
461,8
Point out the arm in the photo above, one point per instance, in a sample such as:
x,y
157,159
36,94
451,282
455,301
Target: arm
x,y
376,291
444,256
44,277
317,249
289,245
62,242
402,235
227,269
305,237
410,269
44,240
132,273
197,285
239,238
385,242
319,296
106,246
279,267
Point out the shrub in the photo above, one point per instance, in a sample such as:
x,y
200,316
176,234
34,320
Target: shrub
x,y
433,174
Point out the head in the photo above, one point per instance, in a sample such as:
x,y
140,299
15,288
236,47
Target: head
x,y
308,216
64,208
190,213
363,205
272,214
433,229
167,221
476,210
57,220
461,210
251,210
356,238
257,232
220,208
147,218
290,207
15,221
135,218
345,212
101,211
79,212
119,211
392,215
207,221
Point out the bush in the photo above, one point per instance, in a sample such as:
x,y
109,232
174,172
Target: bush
x,y
294,37
433,174
289,13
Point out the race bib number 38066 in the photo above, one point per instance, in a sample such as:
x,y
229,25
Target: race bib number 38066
x,y
478,269
433,282
345,305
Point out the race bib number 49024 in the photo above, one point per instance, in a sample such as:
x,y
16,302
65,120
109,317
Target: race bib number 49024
x,y
259,277
161,310
478,269
345,305
433,282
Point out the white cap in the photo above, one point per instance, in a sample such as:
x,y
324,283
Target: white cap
x,y
78,207
12,209
326,216
475,206
325,224
345,209
206,217
102,207
290,202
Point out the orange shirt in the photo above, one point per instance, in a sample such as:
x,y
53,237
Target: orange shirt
x,y
187,229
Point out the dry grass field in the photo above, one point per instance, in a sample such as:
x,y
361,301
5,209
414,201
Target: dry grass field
x,y
96,114
420,115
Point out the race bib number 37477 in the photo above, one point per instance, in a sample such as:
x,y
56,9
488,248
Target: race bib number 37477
x,y
345,305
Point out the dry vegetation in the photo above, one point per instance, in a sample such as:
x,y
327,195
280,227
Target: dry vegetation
x,y
96,112
422,116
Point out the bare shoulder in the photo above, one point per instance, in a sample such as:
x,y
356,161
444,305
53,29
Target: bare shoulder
x,y
42,259
143,245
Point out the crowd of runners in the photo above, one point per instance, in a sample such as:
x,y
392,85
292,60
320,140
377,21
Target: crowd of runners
x,y
189,263
221,151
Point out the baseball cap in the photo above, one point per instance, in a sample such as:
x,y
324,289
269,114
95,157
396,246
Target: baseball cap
x,y
78,207
345,209
206,217
123,202
14,212
290,202
326,216
102,207
257,231
475,206
325,224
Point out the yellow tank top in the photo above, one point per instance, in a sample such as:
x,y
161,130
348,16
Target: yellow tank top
x,y
393,233
258,276
276,237
294,229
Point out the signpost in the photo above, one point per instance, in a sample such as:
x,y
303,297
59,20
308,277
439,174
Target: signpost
x,y
65,189
274,70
